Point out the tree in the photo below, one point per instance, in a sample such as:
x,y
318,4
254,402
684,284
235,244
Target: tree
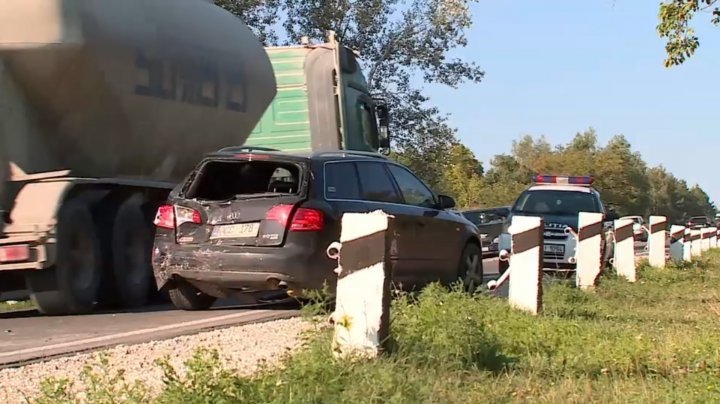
x,y
259,15
461,176
674,26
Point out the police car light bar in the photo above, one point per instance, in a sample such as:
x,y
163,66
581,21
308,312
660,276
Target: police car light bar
x,y
563,180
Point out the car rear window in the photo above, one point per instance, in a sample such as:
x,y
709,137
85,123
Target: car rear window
x,y
236,179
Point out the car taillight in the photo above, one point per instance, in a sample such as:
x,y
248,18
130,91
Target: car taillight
x,y
165,217
186,215
169,216
304,219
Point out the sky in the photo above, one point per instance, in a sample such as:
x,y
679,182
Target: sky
x,y
555,68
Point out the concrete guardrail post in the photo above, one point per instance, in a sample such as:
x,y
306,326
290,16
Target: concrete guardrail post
x,y
526,258
713,238
657,241
624,259
588,251
362,299
696,240
705,237
687,250
678,245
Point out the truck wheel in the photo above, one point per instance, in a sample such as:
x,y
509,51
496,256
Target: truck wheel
x,y
71,287
470,268
187,297
131,246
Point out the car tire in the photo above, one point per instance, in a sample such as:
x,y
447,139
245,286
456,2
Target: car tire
x,y
185,296
72,285
470,267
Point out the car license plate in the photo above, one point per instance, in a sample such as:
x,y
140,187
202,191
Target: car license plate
x,y
243,230
486,249
554,249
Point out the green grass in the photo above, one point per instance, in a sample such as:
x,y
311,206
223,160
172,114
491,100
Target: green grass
x,y
21,305
654,341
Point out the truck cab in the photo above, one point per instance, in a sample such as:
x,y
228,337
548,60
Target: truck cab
x,y
323,103
559,201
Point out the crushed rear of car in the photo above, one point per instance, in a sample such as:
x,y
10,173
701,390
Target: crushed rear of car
x,y
241,223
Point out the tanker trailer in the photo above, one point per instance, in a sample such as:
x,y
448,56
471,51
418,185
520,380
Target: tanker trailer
x,y
104,107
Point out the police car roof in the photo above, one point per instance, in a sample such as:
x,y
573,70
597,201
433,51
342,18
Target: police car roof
x,y
556,187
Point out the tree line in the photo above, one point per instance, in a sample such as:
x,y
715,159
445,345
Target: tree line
x,y
405,44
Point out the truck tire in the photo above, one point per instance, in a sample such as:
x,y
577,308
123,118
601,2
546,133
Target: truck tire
x,y
131,250
72,285
470,267
185,296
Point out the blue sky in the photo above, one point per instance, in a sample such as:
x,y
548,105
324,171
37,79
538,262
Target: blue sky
x,y
557,67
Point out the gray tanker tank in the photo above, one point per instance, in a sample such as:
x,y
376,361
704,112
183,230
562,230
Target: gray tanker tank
x,y
131,88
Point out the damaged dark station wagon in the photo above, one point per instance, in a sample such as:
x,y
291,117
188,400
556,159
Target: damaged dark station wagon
x,y
250,220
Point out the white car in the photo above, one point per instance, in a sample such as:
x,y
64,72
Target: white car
x,y
559,200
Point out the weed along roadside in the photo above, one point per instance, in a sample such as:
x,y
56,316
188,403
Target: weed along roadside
x,y
651,341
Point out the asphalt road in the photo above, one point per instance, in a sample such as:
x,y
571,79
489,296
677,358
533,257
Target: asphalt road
x,y
28,336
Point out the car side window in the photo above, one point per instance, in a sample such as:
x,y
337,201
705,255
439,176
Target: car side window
x,y
341,181
413,190
376,183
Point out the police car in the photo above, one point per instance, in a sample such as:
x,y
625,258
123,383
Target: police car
x,y
559,200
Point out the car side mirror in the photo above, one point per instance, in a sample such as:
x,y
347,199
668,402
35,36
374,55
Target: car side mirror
x,y
445,202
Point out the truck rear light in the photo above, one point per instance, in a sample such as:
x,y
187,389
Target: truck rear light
x,y
165,217
15,253
304,219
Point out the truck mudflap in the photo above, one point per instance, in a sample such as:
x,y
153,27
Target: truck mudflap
x,y
28,240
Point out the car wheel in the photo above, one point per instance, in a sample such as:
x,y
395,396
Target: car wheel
x,y
187,297
470,268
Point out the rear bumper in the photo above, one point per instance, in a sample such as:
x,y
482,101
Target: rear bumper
x,y
293,267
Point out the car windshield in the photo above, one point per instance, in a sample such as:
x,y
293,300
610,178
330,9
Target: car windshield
x,y
552,202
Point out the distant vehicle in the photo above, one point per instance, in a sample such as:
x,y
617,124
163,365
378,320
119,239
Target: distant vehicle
x,y
698,221
258,221
639,231
490,223
559,200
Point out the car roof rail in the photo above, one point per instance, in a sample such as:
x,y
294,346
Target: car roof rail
x,y
344,153
245,149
